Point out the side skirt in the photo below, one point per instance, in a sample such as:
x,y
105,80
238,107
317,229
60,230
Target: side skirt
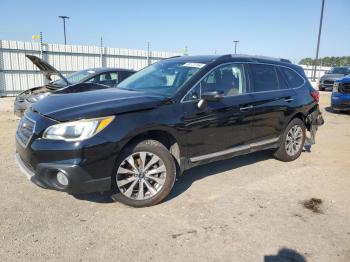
x,y
232,152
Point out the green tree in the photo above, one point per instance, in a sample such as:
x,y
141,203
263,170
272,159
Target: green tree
x,y
327,61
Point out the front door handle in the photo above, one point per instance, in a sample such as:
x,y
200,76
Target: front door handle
x,y
246,108
289,99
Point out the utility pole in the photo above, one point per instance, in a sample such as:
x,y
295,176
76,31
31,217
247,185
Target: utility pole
x,y
236,42
41,45
318,40
101,51
64,26
148,53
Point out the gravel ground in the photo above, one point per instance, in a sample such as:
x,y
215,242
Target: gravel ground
x,y
244,209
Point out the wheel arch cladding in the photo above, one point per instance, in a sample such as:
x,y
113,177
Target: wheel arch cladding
x,y
163,137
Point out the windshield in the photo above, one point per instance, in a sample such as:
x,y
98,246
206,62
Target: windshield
x,y
339,70
75,77
164,78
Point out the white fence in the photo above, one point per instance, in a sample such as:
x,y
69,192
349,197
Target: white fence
x,y
319,72
17,73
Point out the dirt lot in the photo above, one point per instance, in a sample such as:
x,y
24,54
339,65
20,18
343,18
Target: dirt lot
x,y
244,209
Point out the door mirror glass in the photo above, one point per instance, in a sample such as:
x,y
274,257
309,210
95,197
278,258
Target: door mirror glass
x,y
212,96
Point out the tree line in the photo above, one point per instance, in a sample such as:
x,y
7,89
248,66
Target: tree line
x,y
327,61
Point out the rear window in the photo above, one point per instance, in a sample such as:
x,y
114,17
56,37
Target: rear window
x,y
293,79
264,77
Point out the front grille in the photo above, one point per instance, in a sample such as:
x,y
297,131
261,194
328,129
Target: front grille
x,y
328,82
25,130
344,88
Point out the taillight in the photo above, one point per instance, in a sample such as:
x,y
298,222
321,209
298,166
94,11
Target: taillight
x,y
315,95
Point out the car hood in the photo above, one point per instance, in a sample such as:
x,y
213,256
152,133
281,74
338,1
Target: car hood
x,y
42,91
345,79
47,69
37,91
73,106
331,76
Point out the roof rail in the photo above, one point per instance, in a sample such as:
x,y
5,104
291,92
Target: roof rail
x,y
285,60
223,57
171,57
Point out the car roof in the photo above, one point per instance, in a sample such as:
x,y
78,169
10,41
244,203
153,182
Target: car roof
x,y
230,57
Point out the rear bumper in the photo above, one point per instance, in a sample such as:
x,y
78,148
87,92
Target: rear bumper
x,y
340,101
44,176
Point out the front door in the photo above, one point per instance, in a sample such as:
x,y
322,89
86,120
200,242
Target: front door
x,y
220,125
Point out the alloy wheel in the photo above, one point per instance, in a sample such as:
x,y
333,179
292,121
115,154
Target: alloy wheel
x,y
141,175
294,140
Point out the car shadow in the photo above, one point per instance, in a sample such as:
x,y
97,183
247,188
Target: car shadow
x,y
185,181
285,255
330,110
102,198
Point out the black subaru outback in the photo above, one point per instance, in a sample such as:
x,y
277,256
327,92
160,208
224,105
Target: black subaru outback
x,y
167,118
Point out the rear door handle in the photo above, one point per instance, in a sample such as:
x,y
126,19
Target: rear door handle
x,y
289,99
246,108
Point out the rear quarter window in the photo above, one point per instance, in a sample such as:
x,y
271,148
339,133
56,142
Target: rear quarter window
x,y
293,79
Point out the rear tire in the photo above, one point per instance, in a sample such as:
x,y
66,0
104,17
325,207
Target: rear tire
x,y
292,141
148,179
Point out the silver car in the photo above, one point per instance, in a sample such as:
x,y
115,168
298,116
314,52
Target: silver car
x,y
327,80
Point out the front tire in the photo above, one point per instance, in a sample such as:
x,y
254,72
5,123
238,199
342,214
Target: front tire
x,y
144,175
292,141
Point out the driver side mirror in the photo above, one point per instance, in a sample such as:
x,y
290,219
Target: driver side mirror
x,y
209,96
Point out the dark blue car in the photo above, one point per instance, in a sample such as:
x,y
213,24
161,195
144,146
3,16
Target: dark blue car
x,y
341,94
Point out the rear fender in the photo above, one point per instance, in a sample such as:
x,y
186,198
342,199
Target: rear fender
x,y
314,118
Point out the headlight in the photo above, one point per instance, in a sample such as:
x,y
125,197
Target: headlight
x,y
335,87
32,98
77,130
36,98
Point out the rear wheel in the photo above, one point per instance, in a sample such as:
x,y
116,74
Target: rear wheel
x,y
145,174
292,141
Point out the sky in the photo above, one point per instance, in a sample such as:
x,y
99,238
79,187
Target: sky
x,y
278,28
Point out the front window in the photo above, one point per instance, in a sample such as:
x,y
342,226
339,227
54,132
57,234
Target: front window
x,y
162,78
340,71
228,79
75,77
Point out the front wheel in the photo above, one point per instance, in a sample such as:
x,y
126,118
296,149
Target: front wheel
x,y
292,141
145,174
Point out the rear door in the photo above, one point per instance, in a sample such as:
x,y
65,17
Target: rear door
x,y
273,101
